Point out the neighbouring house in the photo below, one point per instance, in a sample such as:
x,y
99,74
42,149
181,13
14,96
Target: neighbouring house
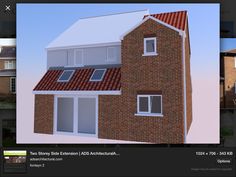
x,y
7,70
121,76
228,79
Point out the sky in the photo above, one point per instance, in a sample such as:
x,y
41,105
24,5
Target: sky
x,y
39,24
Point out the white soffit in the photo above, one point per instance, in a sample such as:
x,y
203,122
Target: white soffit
x,y
98,30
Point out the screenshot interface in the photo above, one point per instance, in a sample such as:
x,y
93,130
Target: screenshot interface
x,y
117,88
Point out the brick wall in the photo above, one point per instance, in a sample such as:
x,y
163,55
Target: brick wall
x,y
5,85
229,80
2,64
43,122
154,73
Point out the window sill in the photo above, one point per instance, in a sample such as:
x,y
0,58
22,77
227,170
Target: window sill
x,y
148,115
149,54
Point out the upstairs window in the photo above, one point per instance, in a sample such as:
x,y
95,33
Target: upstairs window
x,y
66,75
10,65
150,46
78,60
149,105
98,75
111,54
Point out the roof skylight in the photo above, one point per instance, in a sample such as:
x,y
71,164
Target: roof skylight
x,y
65,76
98,75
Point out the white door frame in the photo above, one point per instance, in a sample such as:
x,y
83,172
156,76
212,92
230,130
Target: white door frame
x,y
75,115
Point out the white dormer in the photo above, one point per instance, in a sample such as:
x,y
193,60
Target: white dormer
x,y
92,41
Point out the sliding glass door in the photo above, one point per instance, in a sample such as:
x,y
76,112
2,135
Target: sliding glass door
x,y
65,114
76,114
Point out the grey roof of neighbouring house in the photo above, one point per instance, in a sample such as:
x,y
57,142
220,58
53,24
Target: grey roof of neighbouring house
x,y
7,51
8,72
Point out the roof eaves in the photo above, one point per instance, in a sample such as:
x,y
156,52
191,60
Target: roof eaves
x,y
83,46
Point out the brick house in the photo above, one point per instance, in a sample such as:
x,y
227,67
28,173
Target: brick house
x,y
130,82
7,70
228,79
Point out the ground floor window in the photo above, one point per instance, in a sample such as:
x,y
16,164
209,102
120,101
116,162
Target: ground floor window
x,y
149,104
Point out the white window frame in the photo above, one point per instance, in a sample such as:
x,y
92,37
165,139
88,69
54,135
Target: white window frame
x,y
145,53
9,65
97,80
75,115
141,113
68,78
11,78
111,59
75,51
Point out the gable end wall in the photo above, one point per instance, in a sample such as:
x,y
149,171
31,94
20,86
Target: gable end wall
x,y
162,73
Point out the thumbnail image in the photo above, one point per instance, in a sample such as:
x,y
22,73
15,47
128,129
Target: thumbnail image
x,y
14,161
7,28
228,92
7,91
7,73
228,22
7,127
127,76
228,79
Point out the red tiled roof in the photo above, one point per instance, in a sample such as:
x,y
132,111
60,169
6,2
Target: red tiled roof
x,y
80,81
175,19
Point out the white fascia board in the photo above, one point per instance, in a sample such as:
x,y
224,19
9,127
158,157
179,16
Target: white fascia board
x,y
84,46
8,75
7,58
156,20
108,92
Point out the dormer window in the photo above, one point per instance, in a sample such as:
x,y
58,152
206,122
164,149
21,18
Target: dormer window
x,y
98,75
150,46
79,55
66,75
111,54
